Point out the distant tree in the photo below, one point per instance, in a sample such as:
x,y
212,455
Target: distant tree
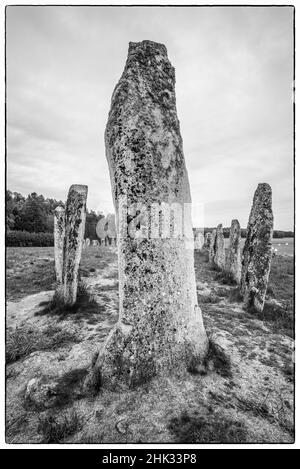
x,y
10,219
34,214
91,221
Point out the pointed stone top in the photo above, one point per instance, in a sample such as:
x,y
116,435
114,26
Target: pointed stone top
x,y
81,188
264,186
148,47
263,195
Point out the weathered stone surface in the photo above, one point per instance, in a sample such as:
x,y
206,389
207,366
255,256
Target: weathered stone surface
x,y
211,254
95,243
59,234
87,242
199,238
257,252
219,248
111,226
233,259
39,394
207,239
74,234
160,325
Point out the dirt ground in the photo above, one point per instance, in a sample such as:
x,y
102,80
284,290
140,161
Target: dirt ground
x,y
244,393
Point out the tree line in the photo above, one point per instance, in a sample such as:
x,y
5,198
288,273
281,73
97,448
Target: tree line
x,y
35,214
276,233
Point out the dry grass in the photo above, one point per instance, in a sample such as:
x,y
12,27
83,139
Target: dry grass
x,y
55,429
212,428
84,306
22,341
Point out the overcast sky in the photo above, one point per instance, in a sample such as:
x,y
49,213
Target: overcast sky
x,y
234,71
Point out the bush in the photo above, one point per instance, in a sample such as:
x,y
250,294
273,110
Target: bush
x,y
26,239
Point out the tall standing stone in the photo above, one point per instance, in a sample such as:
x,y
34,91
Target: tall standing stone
x,y
74,234
233,259
160,326
199,238
211,253
59,234
219,257
101,229
257,252
207,239
111,228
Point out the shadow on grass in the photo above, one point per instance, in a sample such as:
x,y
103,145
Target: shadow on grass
x,y
279,317
225,278
55,429
210,429
215,360
84,307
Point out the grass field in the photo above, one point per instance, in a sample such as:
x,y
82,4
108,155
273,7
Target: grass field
x,y
244,393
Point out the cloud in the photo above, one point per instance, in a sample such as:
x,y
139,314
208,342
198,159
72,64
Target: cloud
x,y
234,99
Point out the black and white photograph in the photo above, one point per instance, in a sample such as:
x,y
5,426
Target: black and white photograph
x,y
149,225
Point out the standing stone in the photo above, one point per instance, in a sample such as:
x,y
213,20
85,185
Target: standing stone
x,y
74,233
111,228
101,230
87,242
59,234
257,252
233,258
95,243
207,239
219,257
199,238
211,253
160,326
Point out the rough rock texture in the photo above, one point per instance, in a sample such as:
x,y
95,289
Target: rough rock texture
x,y
74,233
59,234
199,238
87,242
219,248
160,325
257,252
233,259
95,243
211,253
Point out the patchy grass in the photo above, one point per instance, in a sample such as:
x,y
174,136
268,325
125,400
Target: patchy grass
x,y
233,295
225,278
212,428
211,298
22,341
281,280
55,429
28,271
280,318
31,270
